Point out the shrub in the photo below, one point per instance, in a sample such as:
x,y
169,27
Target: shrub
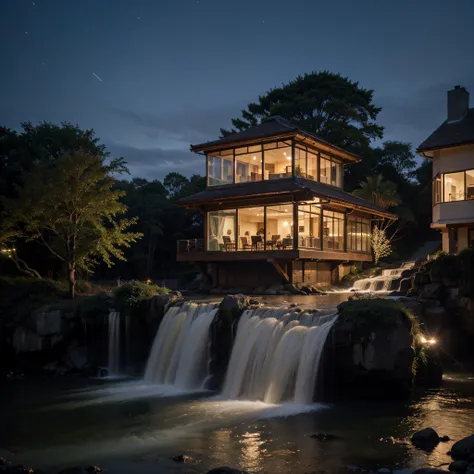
x,y
130,295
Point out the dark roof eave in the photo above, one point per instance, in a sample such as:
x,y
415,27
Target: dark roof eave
x,y
421,150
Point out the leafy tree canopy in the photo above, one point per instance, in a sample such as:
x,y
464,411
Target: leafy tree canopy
x,y
69,206
381,193
327,104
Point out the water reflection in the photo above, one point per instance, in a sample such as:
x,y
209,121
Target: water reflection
x,y
106,426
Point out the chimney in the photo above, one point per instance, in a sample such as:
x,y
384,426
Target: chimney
x,y
458,103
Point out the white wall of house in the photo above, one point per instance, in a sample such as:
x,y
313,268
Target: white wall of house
x,y
453,159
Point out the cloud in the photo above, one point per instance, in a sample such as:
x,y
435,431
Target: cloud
x,y
156,163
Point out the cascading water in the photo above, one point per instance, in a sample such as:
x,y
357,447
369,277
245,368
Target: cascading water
x,y
383,282
114,343
276,355
179,355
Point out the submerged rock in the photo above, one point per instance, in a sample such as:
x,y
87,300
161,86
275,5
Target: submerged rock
x,y
425,439
463,448
226,470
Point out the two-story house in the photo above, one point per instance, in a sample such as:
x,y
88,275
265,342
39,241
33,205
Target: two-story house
x,y
275,210
451,149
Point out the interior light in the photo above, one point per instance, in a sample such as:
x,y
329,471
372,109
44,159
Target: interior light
x,y
288,157
254,157
284,153
285,223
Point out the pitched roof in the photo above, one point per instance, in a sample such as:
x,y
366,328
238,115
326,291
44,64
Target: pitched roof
x,y
271,127
450,134
282,186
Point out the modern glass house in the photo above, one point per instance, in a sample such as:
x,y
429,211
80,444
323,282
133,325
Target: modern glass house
x,y
275,210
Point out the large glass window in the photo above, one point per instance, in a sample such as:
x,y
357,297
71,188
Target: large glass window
x,y
454,187
221,230
331,171
278,161
279,227
312,160
470,184
300,162
437,190
358,234
251,228
333,230
248,164
309,226
220,168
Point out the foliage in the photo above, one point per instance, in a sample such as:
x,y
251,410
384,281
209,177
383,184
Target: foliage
x,y
71,209
326,104
381,193
130,295
380,244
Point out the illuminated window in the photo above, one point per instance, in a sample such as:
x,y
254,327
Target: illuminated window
x,y
220,168
333,230
278,160
248,164
454,187
470,184
309,226
358,234
437,190
221,230
251,227
331,171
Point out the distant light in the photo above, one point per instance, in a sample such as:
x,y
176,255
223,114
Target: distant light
x,y
431,341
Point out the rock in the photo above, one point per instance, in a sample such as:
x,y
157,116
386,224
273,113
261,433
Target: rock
x,y
226,470
234,303
292,289
444,439
181,458
260,290
458,466
384,470
270,291
463,448
432,291
77,357
48,322
324,437
425,439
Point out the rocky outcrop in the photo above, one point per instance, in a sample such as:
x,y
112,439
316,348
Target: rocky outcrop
x,y
370,352
464,448
223,331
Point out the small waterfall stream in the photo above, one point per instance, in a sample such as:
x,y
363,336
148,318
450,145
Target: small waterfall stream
x,y
179,353
114,343
276,355
383,282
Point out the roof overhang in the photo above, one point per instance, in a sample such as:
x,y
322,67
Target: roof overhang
x,y
428,152
297,135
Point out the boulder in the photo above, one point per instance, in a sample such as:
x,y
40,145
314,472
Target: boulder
x,y
425,439
234,303
270,291
458,466
181,458
432,291
291,289
226,470
463,448
77,357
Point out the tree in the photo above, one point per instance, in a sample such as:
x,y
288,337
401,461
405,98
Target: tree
x,y
381,245
326,104
69,206
174,184
381,193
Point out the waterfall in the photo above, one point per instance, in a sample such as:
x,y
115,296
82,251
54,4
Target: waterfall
x,y
383,282
179,354
276,355
114,343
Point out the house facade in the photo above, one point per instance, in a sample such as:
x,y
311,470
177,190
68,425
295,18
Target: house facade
x,y
451,149
275,210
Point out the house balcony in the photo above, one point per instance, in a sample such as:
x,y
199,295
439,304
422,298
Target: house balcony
x,y
193,250
455,213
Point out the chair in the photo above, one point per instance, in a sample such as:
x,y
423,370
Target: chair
x,y
257,242
288,242
228,244
245,243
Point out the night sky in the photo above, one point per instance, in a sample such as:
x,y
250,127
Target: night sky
x,y
153,76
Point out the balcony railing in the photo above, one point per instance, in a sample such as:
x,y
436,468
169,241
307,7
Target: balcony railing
x,y
190,246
